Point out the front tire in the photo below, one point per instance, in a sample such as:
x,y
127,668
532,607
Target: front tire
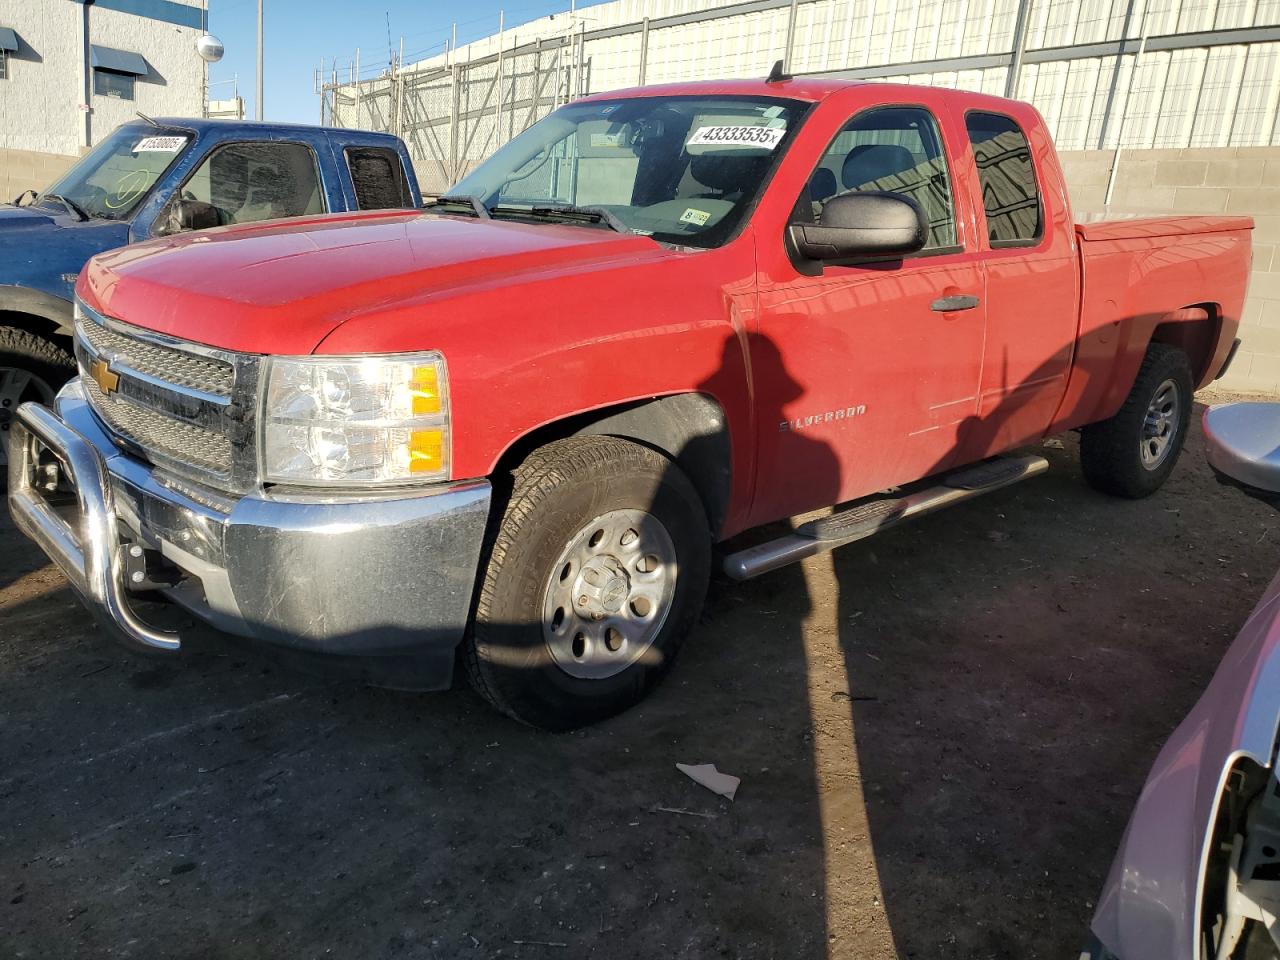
x,y
1132,454
31,368
596,573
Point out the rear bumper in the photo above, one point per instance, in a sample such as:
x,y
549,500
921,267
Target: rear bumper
x,y
385,574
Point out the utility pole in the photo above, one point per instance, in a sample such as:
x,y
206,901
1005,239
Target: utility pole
x,y
258,95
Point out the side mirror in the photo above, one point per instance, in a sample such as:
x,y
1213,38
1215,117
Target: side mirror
x,y
1242,445
187,215
871,225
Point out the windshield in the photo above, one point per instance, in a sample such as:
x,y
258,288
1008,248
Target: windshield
x,y
113,178
682,169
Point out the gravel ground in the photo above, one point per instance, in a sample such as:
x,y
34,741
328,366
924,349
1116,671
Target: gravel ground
x,y
940,733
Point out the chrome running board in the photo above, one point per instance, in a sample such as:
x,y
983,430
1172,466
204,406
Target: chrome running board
x,y
872,516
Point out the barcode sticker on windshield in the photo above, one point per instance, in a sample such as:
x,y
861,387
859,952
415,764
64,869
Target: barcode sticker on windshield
x,y
159,144
764,137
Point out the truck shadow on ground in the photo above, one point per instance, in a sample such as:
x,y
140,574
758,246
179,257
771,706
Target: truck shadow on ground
x,y
940,733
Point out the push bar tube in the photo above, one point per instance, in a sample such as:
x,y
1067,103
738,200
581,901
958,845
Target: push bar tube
x,y
91,556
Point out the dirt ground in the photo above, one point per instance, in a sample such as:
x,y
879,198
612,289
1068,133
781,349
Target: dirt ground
x,y
940,734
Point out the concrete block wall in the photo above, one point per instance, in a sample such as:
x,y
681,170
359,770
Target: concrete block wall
x,y
1243,180
22,170
42,97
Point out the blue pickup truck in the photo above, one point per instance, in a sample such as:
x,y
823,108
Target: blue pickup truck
x,y
151,178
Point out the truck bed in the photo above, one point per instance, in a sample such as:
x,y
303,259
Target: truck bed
x,y
1178,280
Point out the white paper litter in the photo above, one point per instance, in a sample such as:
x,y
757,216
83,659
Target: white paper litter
x,y
708,776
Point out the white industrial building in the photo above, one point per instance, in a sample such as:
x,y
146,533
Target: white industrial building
x,y
73,70
1189,88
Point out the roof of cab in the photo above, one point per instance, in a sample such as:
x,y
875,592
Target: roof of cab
x,y
805,89
800,88
264,127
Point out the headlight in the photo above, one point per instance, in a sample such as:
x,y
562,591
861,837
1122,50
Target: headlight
x,y
355,420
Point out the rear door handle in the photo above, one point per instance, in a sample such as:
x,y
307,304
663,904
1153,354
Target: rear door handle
x,y
961,301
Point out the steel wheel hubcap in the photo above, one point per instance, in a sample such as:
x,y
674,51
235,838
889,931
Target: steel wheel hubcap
x,y
1161,425
608,594
16,387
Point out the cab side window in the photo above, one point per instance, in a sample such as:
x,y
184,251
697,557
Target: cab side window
x,y
1010,196
378,178
246,182
893,149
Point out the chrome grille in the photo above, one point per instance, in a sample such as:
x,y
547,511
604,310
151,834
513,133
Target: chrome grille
x,y
183,406
161,363
164,436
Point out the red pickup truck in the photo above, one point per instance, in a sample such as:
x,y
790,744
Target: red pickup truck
x,y
509,428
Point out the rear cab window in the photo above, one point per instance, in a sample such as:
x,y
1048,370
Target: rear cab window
x,y
1006,172
895,150
378,178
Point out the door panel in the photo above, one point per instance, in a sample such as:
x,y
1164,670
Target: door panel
x,y
1030,258
865,377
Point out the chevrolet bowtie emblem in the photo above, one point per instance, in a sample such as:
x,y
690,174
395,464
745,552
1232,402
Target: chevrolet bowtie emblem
x,y
106,378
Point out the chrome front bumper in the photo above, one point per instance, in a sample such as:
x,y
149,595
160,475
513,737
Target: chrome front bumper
x,y
370,575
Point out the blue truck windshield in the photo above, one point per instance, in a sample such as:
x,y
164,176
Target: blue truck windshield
x,y
111,180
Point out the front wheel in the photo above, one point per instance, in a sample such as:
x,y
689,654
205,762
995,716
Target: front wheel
x,y
31,368
595,575
1132,454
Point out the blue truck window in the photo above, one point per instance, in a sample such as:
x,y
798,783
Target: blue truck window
x,y
378,178
247,182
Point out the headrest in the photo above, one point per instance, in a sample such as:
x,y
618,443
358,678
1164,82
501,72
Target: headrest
x,y
728,172
871,161
822,185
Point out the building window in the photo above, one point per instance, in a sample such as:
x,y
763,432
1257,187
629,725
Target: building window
x,y
4,64
107,83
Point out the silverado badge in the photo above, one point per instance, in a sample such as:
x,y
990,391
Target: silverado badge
x,y
106,378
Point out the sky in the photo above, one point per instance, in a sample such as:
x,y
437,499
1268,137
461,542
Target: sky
x,y
301,33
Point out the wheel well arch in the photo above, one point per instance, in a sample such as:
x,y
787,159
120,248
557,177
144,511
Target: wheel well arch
x,y
37,312
1193,329
690,429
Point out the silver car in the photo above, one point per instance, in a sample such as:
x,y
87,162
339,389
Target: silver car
x,y
1197,876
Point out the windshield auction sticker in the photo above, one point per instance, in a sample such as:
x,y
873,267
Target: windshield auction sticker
x,y
764,137
159,144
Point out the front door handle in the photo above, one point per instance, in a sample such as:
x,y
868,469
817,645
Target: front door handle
x,y
961,301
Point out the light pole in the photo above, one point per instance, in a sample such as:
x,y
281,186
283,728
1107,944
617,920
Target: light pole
x,y
258,94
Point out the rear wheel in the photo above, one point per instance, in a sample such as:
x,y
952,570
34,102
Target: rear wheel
x,y
594,577
31,368
1133,453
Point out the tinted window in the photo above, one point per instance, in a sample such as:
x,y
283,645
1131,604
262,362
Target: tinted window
x,y
378,178
258,181
895,149
1008,177
116,85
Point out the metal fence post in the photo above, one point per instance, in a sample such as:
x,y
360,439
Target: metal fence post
x,y
453,123
791,35
644,49
1019,48
497,120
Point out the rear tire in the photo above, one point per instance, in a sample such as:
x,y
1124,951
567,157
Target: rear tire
x,y
1132,454
31,368
595,574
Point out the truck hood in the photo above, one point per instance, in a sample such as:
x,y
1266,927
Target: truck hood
x,y
281,288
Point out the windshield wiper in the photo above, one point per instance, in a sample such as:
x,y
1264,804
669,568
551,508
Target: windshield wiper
x,y
71,205
570,213
474,203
